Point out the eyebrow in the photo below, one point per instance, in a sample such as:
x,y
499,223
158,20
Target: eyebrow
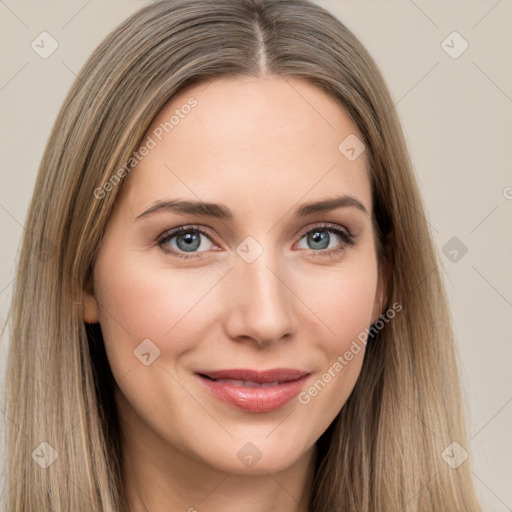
x,y
220,211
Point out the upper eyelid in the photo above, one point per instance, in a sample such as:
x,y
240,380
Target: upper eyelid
x,y
327,226
170,233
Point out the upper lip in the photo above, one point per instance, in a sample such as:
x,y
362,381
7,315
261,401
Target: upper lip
x,y
259,376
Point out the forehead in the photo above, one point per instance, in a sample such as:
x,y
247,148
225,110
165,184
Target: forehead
x,y
249,141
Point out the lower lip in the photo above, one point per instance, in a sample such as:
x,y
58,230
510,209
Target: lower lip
x,y
255,399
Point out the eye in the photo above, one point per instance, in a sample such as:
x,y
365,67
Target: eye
x,y
321,241
185,239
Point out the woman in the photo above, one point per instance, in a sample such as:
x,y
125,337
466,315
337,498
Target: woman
x,y
228,297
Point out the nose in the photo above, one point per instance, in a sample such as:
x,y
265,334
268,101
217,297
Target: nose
x,y
259,302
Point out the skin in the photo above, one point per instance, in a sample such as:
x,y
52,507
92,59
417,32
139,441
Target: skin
x,y
261,146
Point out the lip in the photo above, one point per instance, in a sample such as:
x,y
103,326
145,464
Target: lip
x,y
264,390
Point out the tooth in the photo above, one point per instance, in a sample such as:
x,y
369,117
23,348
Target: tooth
x,y
269,384
232,381
249,384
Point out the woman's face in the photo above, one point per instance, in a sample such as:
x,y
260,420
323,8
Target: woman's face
x,y
199,326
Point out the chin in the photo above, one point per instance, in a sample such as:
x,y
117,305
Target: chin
x,y
258,454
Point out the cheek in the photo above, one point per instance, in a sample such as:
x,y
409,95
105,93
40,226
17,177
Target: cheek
x,y
343,304
140,301
343,301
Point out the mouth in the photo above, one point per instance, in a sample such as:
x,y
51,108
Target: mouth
x,y
252,390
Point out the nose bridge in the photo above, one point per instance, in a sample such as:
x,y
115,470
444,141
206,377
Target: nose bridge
x,y
261,303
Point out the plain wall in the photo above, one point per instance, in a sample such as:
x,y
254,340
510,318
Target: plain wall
x,y
457,117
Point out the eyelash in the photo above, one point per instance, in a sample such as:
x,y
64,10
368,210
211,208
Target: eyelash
x,y
347,240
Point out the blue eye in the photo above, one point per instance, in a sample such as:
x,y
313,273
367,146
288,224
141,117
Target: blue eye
x,y
190,241
186,239
320,237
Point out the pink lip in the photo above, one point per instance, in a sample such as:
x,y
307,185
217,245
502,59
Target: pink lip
x,y
262,396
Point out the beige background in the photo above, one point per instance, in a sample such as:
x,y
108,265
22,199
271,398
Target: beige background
x,y
457,116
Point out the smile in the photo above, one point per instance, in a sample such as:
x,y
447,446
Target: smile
x,y
254,391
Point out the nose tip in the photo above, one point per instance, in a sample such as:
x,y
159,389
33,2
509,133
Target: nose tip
x,y
261,306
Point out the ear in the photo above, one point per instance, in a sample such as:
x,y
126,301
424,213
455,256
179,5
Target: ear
x,y
90,304
385,266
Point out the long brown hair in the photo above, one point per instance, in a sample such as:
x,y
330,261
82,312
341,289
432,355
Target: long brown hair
x,y
383,452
